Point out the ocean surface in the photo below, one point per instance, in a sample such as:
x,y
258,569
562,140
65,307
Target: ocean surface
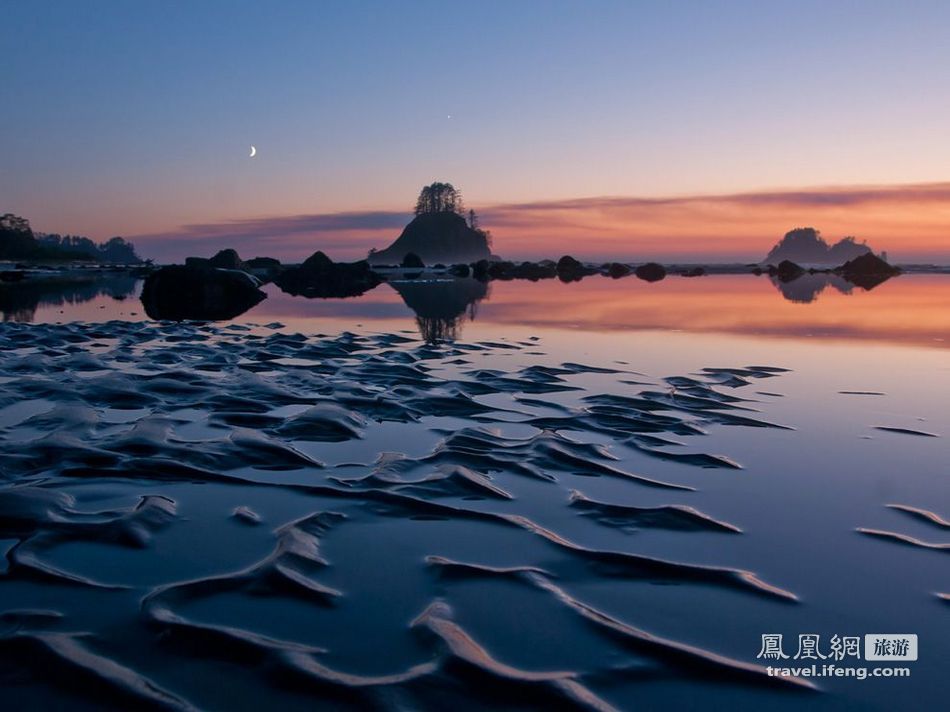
x,y
451,495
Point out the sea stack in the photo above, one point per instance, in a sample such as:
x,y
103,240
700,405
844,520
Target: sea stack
x,y
806,246
441,232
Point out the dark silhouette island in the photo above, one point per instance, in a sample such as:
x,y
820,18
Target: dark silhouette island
x,y
439,233
805,245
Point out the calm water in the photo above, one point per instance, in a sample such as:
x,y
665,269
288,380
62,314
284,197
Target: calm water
x,y
594,494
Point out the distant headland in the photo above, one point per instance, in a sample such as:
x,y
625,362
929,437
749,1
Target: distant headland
x,y
19,242
805,245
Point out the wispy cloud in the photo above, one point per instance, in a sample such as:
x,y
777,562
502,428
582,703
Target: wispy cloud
x,y
704,225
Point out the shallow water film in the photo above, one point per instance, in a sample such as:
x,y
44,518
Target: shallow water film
x,y
598,495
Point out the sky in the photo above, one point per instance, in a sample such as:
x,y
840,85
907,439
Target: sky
x,y
608,129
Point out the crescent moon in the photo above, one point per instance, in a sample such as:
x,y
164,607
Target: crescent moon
x,y
253,151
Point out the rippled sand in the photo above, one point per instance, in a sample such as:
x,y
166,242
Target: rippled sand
x,y
225,517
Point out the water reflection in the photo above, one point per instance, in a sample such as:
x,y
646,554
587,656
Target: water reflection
x,y
441,306
913,308
806,288
19,301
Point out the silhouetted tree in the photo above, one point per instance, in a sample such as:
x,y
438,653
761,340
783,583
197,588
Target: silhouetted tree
x,y
439,198
16,237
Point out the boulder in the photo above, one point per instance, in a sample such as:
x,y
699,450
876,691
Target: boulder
x,y
319,276
180,293
263,263
571,270
534,271
568,264
498,269
412,260
616,270
651,272
481,270
264,268
786,271
226,259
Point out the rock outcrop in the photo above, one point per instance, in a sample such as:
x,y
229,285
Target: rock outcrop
x,y
319,276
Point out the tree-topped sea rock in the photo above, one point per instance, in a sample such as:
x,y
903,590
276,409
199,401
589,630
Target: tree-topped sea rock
x,y
441,232
806,246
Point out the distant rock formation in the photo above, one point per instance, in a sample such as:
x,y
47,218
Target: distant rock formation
x,y
319,276
201,293
436,237
805,245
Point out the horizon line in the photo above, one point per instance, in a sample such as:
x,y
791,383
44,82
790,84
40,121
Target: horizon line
x,y
594,220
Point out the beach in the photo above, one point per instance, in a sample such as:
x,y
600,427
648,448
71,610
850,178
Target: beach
x,y
541,513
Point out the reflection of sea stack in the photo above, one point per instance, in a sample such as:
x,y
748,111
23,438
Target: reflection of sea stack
x,y
807,287
439,233
441,306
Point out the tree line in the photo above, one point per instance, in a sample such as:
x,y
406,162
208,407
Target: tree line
x,y
19,242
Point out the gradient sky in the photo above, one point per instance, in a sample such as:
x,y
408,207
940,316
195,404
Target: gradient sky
x,y
135,118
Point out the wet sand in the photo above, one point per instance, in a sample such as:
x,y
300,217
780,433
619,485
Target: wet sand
x,y
198,516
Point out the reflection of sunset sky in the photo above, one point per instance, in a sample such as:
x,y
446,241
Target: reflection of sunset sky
x,y
911,309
